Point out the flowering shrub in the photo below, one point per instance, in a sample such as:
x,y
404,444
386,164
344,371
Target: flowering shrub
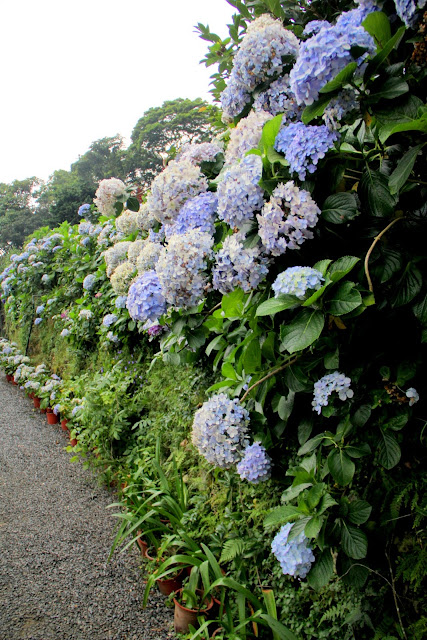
x,y
294,556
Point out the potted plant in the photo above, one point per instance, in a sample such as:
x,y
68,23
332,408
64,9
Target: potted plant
x,y
190,603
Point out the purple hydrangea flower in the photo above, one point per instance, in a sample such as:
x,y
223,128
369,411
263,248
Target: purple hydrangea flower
x,y
255,466
37,321
279,98
83,209
89,282
331,382
120,302
239,193
220,430
40,309
285,221
295,557
304,145
197,213
56,409
238,267
296,281
109,319
145,300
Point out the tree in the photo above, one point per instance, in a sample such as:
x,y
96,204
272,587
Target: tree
x,y
18,215
162,130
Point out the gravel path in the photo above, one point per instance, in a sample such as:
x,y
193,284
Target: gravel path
x,y
55,536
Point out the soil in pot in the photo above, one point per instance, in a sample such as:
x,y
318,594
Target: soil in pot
x,y
183,616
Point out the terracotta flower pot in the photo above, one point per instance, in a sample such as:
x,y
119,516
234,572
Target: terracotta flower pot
x,y
42,410
49,410
167,585
36,402
183,616
73,442
51,418
64,425
143,546
9,378
13,382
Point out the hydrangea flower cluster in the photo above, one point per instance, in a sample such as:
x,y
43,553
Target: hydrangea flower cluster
x,y
134,250
86,314
326,53
145,300
122,277
83,209
64,333
413,396
196,213
304,145
37,321
295,557
127,222
181,267
339,107
246,135
259,57
89,282
331,382
178,182
285,221
111,337
202,152
296,281
406,10
115,255
144,219
148,256
84,227
279,98
239,194
219,430
108,193
120,302
40,309
255,466
236,266
109,319
45,278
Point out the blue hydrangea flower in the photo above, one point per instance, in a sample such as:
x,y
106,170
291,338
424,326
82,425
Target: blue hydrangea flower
x,y
245,136
304,145
109,319
413,396
406,10
83,209
219,430
345,102
40,309
255,466
120,302
111,337
56,409
84,228
181,268
64,333
239,194
295,557
285,221
37,321
86,314
331,382
196,213
89,282
326,53
279,98
234,98
236,266
200,152
145,300
296,281
45,278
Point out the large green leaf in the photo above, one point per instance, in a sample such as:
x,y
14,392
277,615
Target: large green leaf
x,y
378,26
233,304
303,331
408,286
341,267
341,466
354,542
340,208
403,169
389,452
344,299
342,78
359,511
375,194
282,515
275,305
316,109
382,56
269,133
252,356
322,570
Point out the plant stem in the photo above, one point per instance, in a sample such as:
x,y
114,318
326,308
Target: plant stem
x,y
371,248
396,604
269,375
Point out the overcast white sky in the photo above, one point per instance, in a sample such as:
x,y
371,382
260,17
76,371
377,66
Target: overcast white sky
x,y
74,71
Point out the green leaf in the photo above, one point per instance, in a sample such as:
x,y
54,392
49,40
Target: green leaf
x,y
252,356
275,8
342,78
281,515
311,444
359,451
359,511
316,109
345,299
377,61
378,26
389,452
286,405
215,344
303,331
313,527
233,304
408,286
354,542
341,467
403,169
322,570
296,380
397,422
392,262
341,267
196,338
228,371
131,325
340,208
391,89
375,194
292,492
332,359
304,430
269,132
322,266
275,305
420,124
420,310
132,204
273,156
